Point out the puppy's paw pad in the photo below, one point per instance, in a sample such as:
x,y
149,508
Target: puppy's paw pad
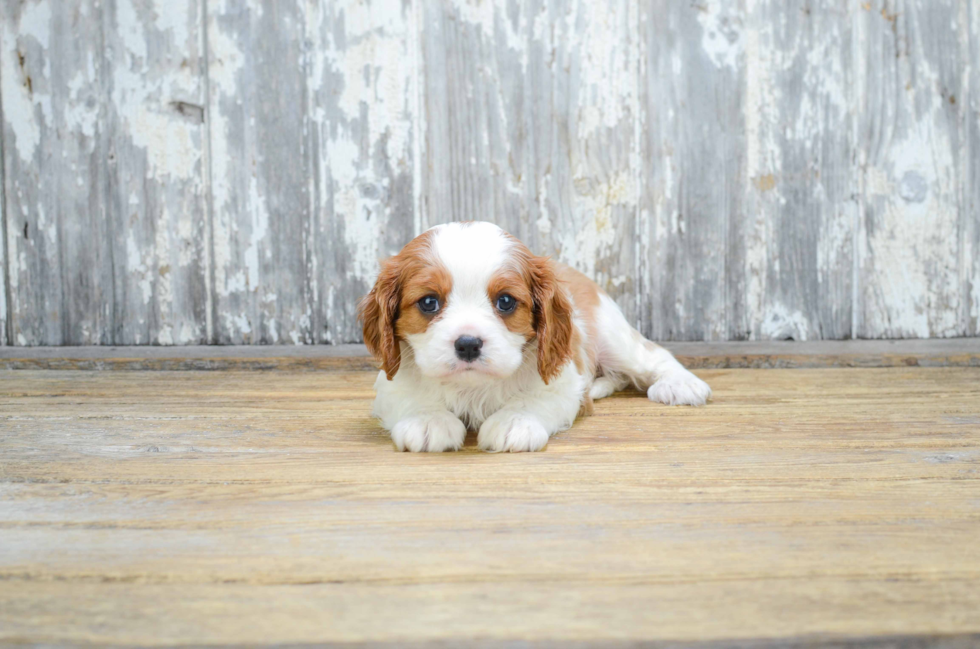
x,y
514,433
433,433
680,389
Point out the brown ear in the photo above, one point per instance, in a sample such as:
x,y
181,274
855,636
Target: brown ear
x,y
552,318
378,312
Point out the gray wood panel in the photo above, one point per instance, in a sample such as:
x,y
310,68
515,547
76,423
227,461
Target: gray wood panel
x,y
971,189
61,265
104,195
4,270
911,148
312,158
156,201
792,278
748,206
232,171
529,122
693,138
262,168
363,95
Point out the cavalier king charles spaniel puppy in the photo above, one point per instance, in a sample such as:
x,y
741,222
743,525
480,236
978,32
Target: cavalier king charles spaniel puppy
x,y
475,332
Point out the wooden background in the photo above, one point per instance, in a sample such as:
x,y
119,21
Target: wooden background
x,y
230,171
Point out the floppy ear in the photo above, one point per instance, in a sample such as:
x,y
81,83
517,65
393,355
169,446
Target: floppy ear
x,y
378,312
552,318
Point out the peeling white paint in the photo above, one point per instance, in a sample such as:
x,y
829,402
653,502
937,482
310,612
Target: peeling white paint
x,y
166,335
780,323
174,18
19,98
721,37
162,273
375,70
594,240
136,266
226,62
237,323
835,245
3,271
575,183
82,115
188,335
762,157
490,18
878,182
374,66
259,229
143,98
607,82
913,248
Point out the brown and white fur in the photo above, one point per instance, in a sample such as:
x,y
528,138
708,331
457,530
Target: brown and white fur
x,y
563,344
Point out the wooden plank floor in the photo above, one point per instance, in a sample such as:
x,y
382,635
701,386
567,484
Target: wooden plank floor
x,y
157,508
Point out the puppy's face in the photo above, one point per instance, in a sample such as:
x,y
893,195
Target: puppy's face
x,y
469,300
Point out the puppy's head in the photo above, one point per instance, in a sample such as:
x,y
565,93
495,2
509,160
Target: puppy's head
x,y
469,300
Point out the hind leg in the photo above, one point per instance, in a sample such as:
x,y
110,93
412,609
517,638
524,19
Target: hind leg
x,y
622,350
604,386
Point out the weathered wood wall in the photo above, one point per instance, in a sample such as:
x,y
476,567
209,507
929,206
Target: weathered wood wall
x,y
231,171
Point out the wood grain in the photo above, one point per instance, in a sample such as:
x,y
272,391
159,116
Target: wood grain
x,y
155,201
693,144
165,508
231,172
912,145
262,169
530,122
61,281
791,272
970,250
103,172
312,154
4,268
363,88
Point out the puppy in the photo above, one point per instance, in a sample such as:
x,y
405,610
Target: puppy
x,y
475,332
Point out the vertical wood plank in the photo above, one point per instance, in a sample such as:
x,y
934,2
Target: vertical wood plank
x,y
360,69
794,276
474,97
748,206
154,146
313,175
4,270
103,177
54,125
971,216
692,79
911,141
529,122
262,172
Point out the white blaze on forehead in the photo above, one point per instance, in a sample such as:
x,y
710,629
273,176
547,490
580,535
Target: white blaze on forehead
x,y
472,253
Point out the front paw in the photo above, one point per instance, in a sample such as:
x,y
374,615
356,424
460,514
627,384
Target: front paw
x,y
434,433
512,431
680,388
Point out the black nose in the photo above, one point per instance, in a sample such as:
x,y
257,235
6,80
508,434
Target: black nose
x,y
468,348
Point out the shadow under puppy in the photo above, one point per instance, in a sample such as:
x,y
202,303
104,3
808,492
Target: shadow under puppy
x,y
474,331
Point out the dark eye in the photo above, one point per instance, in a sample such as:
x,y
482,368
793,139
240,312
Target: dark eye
x,y
429,304
506,303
